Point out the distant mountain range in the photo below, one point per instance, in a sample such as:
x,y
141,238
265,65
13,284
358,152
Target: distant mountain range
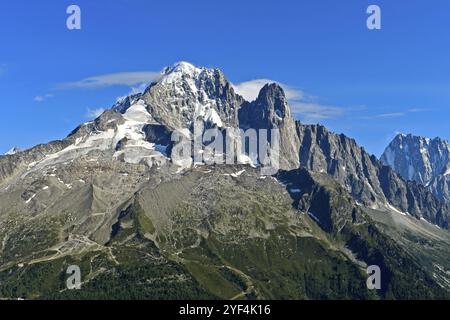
x,y
112,199
424,160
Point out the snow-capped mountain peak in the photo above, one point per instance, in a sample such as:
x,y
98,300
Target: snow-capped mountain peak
x,y
185,93
417,158
186,72
424,160
180,68
12,151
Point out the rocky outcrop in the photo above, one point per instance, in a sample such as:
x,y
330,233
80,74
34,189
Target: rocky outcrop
x,y
271,111
321,197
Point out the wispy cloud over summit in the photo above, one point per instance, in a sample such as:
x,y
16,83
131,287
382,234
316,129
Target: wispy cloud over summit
x,y
250,89
44,97
302,104
312,112
111,79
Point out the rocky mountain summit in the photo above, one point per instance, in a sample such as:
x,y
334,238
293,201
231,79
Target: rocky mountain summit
x,y
424,160
111,198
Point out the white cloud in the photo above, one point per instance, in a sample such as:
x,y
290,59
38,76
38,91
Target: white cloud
x,y
390,115
250,89
43,97
395,114
94,113
384,116
415,110
112,79
308,109
302,104
313,112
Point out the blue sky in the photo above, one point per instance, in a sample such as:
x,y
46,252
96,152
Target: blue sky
x,y
366,84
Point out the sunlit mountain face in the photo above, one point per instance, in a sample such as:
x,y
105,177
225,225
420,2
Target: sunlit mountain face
x,y
292,152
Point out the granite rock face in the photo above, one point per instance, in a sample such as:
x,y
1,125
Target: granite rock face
x,y
424,160
271,111
417,158
365,177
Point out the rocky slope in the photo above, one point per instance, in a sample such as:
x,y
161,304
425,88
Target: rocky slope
x,y
315,148
212,232
365,177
